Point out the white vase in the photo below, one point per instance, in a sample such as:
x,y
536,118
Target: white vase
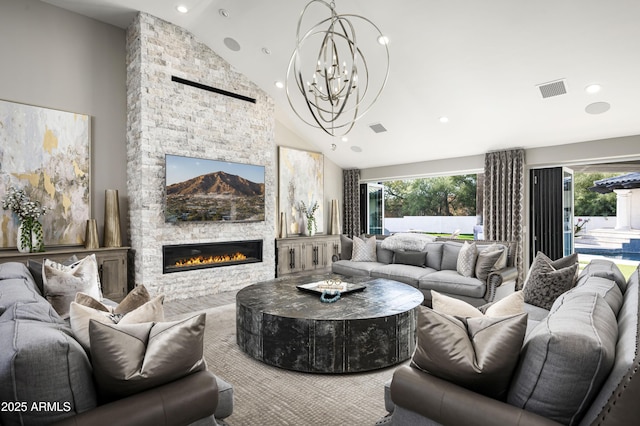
x,y
33,241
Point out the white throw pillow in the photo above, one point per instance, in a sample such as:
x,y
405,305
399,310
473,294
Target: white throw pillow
x,y
61,282
466,265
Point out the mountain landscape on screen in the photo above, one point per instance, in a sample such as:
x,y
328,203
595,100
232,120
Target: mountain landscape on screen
x,y
215,196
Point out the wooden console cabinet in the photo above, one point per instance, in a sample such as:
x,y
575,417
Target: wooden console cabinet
x,y
112,265
306,255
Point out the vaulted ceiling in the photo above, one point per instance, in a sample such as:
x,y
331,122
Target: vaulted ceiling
x,y
478,63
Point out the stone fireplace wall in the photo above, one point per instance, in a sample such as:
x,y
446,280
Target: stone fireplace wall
x,y
166,117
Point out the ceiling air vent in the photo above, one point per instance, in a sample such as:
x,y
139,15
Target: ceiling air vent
x,y
377,128
553,88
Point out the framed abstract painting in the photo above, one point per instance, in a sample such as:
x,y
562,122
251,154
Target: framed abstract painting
x,y
300,180
46,152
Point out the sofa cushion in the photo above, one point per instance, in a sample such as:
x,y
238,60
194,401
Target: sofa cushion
x,y
477,353
434,255
605,269
407,274
548,279
383,255
346,247
619,406
451,282
354,269
17,285
62,283
467,256
450,252
43,363
513,304
605,287
415,258
130,358
565,359
364,250
488,258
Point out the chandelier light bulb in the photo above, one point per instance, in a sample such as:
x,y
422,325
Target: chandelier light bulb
x,y
343,87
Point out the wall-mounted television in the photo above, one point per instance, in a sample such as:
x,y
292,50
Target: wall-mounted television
x,y
201,190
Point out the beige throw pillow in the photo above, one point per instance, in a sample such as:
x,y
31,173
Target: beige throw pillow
x,y
512,304
130,358
136,307
61,282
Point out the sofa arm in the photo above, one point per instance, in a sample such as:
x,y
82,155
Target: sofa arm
x,y
497,278
177,403
448,404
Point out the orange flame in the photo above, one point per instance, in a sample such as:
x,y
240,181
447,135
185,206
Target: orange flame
x,y
202,260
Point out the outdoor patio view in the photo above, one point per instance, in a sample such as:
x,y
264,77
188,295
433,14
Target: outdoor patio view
x,y
606,212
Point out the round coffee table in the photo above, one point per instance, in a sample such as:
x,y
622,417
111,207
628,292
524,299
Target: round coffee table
x,y
282,326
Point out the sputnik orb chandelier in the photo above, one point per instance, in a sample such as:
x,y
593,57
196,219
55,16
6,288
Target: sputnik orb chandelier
x,y
329,69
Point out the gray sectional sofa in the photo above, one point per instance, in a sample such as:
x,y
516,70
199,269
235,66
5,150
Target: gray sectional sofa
x,y
435,269
46,376
578,366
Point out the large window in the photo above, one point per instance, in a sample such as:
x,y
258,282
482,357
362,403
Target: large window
x,y
439,205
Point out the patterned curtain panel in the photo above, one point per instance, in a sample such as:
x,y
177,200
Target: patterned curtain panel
x,y
504,201
351,182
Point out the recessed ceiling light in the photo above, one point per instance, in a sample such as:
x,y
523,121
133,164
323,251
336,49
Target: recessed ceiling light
x,y
224,13
593,88
444,119
266,51
232,44
383,40
279,84
356,148
597,108
182,8
345,139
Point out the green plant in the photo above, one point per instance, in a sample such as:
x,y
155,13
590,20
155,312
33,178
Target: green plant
x,y
17,201
309,213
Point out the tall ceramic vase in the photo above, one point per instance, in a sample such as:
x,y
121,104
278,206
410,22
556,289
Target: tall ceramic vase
x,y
335,218
112,236
91,235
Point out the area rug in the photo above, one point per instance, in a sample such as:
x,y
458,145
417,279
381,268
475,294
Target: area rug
x,y
270,396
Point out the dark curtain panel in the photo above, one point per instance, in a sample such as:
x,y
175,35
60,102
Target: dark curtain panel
x,y
351,182
504,201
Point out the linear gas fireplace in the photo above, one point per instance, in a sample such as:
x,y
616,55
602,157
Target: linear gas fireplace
x,y
185,257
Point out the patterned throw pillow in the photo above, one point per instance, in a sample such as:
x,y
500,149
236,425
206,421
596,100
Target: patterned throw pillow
x,y
466,264
364,250
61,283
548,279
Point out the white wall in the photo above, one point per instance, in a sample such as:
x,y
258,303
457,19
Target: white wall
x,y
437,224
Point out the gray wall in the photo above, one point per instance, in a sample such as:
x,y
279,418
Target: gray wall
x,y
56,59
